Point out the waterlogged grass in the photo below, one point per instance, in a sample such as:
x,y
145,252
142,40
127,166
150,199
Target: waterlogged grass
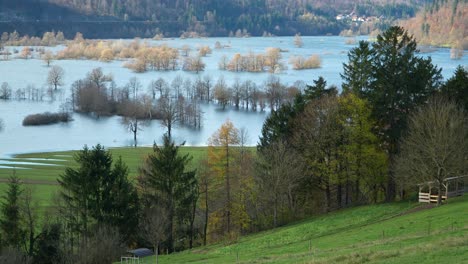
x,y
41,170
368,234
52,164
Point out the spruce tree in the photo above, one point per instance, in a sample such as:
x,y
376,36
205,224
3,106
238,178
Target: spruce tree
x,y
10,222
167,182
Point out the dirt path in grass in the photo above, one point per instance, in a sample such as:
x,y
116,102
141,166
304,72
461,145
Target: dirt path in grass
x,y
32,182
419,208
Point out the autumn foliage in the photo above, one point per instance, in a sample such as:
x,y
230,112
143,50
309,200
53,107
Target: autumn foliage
x,y
441,24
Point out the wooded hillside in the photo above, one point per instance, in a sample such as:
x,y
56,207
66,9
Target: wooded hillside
x,y
442,23
145,18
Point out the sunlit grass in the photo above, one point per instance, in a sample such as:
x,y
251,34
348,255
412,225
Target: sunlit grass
x,y
367,234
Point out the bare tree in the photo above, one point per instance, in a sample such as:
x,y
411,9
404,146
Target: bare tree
x,y
5,91
160,85
193,63
177,84
103,245
48,57
279,172
298,41
275,91
153,226
208,83
169,111
236,92
221,92
436,146
97,77
134,86
134,117
56,76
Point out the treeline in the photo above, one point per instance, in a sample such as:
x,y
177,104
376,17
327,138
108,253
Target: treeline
x,y
48,39
321,151
145,18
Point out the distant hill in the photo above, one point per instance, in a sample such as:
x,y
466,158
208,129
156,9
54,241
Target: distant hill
x,y
145,18
441,23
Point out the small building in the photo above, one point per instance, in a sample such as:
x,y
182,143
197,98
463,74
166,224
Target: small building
x,y
135,256
452,187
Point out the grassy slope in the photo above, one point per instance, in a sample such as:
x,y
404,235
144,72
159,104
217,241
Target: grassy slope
x,y
376,233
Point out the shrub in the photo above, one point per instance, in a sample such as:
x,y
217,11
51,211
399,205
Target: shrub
x,y
46,119
301,63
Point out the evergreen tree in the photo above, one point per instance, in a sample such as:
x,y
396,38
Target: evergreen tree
x,y
456,88
47,245
167,182
10,222
96,193
318,89
279,126
358,72
394,81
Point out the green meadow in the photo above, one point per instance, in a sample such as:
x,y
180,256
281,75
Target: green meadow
x,y
384,233
42,177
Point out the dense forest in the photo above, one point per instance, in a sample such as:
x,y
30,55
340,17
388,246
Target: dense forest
x,y
145,18
442,23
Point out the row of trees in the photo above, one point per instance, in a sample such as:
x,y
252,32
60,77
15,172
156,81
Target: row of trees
x,y
48,39
352,143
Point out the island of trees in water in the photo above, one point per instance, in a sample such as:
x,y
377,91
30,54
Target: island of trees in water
x,y
395,124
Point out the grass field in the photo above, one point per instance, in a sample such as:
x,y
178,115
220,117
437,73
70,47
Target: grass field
x,y
42,175
386,233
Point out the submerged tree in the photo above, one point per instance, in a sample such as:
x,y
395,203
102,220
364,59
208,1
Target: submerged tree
x,y
56,76
134,117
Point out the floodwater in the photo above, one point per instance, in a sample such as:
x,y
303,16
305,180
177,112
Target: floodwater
x,y
108,131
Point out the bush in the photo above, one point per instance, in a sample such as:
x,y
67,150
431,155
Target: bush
x,y
46,119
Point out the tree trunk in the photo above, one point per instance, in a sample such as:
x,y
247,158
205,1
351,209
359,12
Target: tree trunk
x,y
228,192
205,228
170,238
339,195
357,190
169,129
391,188
275,212
347,190
439,195
192,220
327,197
135,129
156,250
